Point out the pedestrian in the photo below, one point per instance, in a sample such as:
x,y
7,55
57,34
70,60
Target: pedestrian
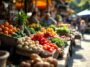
x,y
74,24
82,27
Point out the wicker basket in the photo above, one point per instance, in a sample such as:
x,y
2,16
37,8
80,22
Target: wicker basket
x,y
27,52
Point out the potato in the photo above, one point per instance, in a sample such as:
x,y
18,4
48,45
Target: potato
x,y
31,61
44,59
38,60
34,56
51,65
22,64
46,64
38,64
52,61
55,62
25,64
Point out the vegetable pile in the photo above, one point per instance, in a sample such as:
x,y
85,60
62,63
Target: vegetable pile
x,y
47,45
37,61
29,44
58,41
7,29
63,31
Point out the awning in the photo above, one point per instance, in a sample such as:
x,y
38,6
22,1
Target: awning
x,y
85,12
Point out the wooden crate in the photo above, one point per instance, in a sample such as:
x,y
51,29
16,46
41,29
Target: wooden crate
x,y
7,40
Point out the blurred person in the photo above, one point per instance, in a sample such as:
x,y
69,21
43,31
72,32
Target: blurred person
x,y
82,27
74,24
3,11
78,22
48,20
34,17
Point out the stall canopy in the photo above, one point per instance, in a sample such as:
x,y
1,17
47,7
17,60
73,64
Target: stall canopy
x,y
85,12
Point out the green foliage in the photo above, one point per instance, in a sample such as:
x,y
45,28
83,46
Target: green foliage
x,y
79,5
32,31
53,26
22,18
19,34
63,30
44,24
59,42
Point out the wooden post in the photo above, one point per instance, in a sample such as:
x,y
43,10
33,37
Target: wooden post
x,y
47,5
25,5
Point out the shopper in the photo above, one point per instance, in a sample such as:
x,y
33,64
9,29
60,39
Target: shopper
x,y
78,19
48,20
82,27
34,18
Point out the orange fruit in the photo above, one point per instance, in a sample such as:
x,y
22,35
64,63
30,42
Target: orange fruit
x,y
6,24
10,26
6,28
6,32
0,29
10,31
2,26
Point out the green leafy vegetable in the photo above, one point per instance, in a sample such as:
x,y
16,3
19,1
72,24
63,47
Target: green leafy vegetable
x,y
63,31
59,42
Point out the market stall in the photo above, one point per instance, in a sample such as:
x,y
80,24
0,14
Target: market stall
x,y
46,42
35,43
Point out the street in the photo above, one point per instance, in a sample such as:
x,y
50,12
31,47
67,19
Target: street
x,y
81,55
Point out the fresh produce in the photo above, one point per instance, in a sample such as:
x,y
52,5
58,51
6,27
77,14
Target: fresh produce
x,y
42,62
34,25
44,24
36,57
58,41
64,25
49,32
19,34
25,64
47,45
21,18
53,26
32,30
52,61
7,29
63,31
38,64
28,44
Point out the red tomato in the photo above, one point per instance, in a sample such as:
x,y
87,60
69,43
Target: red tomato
x,y
50,50
45,47
54,45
